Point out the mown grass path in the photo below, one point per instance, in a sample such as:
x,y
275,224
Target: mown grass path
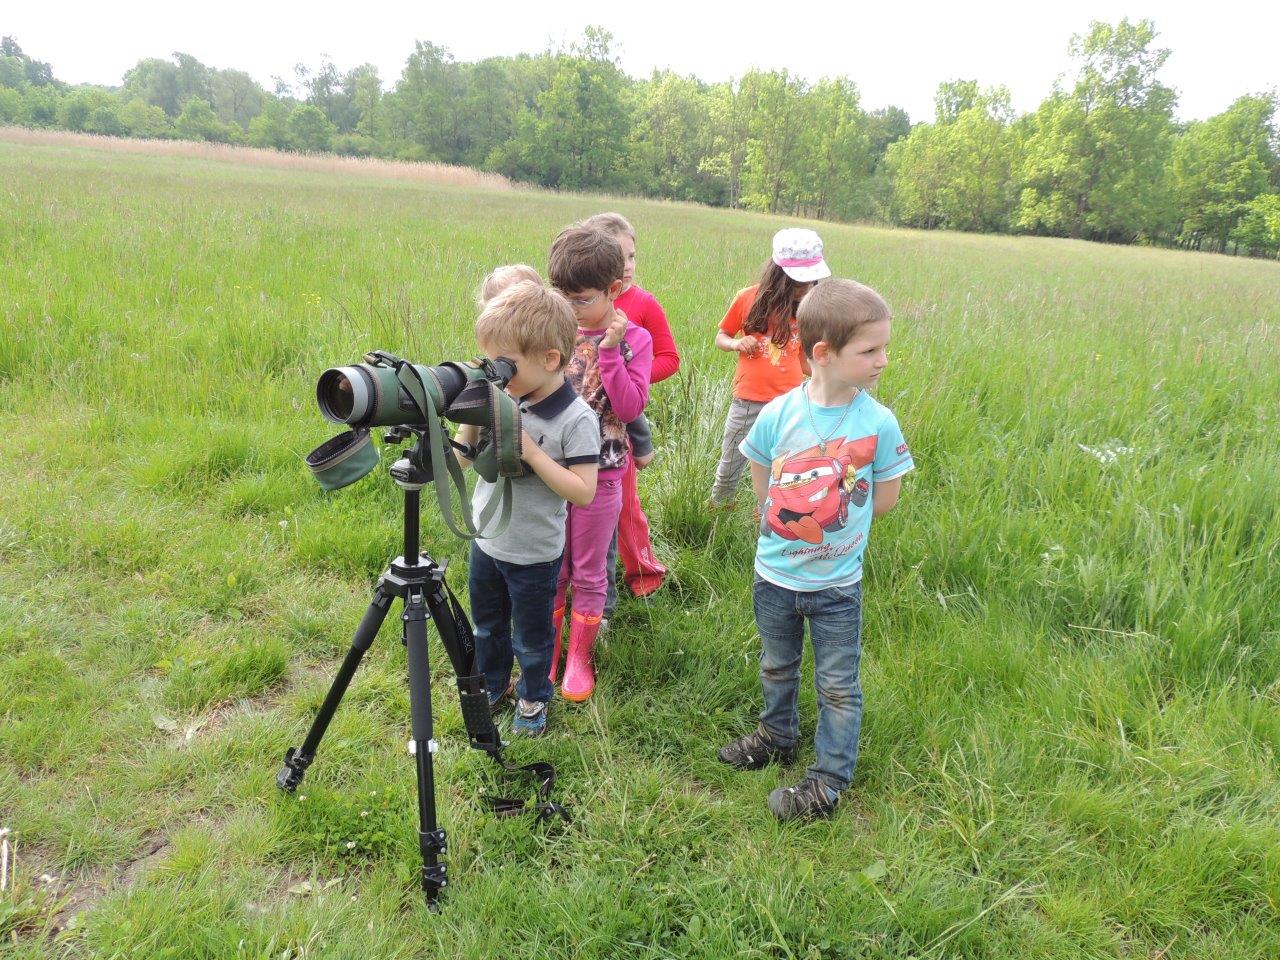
x,y
1071,644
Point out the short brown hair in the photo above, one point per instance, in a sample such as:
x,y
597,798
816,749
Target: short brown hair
x,y
529,318
614,223
833,311
584,258
503,277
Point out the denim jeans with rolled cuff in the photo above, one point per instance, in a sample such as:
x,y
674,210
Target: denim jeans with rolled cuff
x,y
834,615
503,594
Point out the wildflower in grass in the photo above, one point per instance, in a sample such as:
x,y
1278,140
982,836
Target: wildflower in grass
x,y
1108,452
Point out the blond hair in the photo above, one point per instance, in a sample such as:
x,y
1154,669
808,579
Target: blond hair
x,y
832,312
614,223
503,277
529,318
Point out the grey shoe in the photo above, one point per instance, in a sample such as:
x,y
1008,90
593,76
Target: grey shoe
x,y
530,719
807,800
754,751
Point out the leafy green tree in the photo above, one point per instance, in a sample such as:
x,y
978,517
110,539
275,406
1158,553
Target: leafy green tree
x,y
671,133
199,122
1093,160
74,111
955,173
17,70
145,120
353,145
730,114
954,97
833,166
334,93
155,81
169,84
1220,165
1259,228
309,129
494,92
40,106
885,126
425,105
916,166
237,98
77,106
270,128
575,137
364,91
11,104
775,141
105,121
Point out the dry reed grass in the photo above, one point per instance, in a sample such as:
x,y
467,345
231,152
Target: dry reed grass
x,y
227,153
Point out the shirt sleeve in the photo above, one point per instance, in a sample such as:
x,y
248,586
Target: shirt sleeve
x,y
893,456
582,439
626,382
734,317
761,439
666,360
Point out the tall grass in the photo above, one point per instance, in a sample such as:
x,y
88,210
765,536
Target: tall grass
x,y
254,156
1071,738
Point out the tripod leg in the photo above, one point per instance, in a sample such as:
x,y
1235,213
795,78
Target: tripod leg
x,y
459,642
431,840
297,759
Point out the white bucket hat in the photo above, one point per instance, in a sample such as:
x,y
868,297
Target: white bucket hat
x,y
798,252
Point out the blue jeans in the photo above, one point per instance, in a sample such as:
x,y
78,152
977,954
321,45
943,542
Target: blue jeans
x,y
835,628
503,593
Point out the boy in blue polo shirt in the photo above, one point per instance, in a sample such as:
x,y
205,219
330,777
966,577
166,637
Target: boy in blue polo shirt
x,y
825,458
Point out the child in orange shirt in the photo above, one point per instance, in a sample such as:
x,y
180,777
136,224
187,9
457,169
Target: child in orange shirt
x,y
760,326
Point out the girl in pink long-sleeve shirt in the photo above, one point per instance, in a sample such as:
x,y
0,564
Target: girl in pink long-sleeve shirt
x,y
610,369
643,570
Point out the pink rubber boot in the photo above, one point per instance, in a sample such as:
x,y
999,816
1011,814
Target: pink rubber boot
x,y
557,621
579,678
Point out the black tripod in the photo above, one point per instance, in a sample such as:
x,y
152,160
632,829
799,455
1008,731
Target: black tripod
x,y
419,581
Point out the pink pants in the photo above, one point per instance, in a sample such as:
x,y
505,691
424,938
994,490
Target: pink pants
x,y
586,546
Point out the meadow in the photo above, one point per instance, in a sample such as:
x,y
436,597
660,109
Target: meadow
x,y
1071,652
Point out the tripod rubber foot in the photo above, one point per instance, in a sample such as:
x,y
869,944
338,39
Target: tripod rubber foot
x,y
294,769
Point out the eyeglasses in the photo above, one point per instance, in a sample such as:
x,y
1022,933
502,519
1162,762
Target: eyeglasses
x,y
582,301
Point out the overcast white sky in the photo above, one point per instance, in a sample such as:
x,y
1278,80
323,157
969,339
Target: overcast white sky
x,y
895,52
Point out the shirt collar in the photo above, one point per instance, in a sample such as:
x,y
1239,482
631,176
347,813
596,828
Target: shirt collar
x,y
552,406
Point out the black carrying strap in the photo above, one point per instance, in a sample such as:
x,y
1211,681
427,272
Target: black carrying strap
x,y
478,719
443,463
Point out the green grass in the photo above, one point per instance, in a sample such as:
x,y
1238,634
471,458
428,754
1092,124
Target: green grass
x,y
1072,729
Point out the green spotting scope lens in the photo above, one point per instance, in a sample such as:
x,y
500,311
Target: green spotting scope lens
x,y
371,395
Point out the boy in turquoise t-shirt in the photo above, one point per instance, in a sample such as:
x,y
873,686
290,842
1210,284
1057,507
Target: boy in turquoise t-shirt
x,y
825,458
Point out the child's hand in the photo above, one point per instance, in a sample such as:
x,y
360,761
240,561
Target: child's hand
x,y
747,346
613,336
529,448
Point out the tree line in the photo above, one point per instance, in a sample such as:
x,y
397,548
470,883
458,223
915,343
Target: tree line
x,y
1101,157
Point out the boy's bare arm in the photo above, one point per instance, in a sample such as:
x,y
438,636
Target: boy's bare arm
x,y
884,496
759,483
576,483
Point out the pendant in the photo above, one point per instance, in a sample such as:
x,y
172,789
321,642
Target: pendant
x,y
822,448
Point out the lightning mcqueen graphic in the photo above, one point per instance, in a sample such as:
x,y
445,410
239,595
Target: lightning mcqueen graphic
x,y
809,491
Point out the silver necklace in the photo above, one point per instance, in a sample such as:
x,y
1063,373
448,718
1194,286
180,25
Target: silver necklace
x,y
808,405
